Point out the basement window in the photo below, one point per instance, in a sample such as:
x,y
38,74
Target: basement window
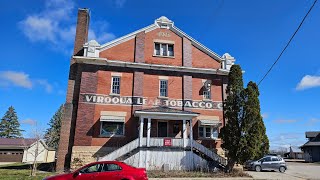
x,y
163,49
112,128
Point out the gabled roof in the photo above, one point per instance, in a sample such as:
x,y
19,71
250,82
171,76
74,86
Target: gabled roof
x,y
312,134
44,145
16,142
314,142
162,22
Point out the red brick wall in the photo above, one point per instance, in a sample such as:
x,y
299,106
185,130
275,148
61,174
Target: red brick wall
x,y
83,131
149,48
104,87
151,86
123,51
202,60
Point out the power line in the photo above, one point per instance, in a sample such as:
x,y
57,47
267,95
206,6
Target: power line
x,y
288,42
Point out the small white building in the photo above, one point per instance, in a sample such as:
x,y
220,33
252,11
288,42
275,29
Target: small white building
x,y
39,151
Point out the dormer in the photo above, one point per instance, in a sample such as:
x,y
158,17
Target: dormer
x,y
91,49
164,22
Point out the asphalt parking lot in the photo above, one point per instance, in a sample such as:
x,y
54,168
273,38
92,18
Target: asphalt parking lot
x,y
295,171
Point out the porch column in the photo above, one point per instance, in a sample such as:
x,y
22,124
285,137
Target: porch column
x,y
191,132
191,143
141,132
148,132
184,130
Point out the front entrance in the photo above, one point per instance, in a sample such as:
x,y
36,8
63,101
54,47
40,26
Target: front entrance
x,y
162,129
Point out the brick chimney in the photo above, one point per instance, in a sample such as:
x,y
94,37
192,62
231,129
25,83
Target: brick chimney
x,y
81,31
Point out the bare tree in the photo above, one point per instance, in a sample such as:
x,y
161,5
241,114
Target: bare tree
x,y
37,134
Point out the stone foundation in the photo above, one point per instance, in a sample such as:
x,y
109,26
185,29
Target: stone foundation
x,y
82,155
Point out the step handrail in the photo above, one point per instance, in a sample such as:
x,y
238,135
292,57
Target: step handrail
x,y
121,151
209,153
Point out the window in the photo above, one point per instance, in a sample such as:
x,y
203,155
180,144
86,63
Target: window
x,y
206,94
215,133
112,128
266,159
162,49
274,159
163,88
111,167
207,89
92,169
115,85
208,132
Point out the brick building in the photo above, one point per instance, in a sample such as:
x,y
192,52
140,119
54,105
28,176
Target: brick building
x,y
152,98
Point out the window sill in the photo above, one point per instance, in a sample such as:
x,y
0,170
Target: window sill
x,y
111,94
171,57
208,100
110,136
162,97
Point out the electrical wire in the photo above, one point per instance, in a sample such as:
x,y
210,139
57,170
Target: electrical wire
x,y
288,43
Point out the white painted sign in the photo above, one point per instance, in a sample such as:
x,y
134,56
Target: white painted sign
x,y
130,100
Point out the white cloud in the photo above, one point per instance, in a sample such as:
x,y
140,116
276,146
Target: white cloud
x,y
284,121
104,37
45,84
308,81
55,25
285,140
39,29
29,122
312,122
20,79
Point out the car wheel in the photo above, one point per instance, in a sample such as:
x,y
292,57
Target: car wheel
x,y
282,169
258,168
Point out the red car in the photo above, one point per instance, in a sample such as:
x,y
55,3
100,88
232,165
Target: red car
x,y
110,170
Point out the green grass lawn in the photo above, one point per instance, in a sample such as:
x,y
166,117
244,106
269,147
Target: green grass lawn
x,y
15,174
19,171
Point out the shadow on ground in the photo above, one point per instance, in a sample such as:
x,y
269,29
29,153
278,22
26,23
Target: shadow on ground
x,y
49,167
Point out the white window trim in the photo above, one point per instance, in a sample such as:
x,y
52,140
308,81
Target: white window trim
x,y
111,88
161,43
211,132
160,88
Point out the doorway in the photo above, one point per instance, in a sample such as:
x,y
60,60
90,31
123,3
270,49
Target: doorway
x,y
162,129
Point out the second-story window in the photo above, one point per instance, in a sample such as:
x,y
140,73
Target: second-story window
x,y
162,49
115,85
207,89
206,94
163,88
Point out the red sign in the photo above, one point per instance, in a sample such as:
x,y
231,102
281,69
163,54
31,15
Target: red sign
x,y
167,142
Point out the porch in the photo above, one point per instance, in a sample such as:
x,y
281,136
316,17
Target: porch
x,y
163,126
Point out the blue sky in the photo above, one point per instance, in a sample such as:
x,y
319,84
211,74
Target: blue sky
x,y
37,40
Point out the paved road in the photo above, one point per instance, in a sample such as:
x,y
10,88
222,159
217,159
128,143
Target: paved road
x,y
295,171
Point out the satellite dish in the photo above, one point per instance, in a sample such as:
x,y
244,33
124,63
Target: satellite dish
x,y
207,85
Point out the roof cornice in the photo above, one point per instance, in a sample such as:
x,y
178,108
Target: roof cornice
x,y
118,63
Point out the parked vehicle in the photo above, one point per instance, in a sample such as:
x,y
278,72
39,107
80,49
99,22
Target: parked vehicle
x,y
267,163
111,170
